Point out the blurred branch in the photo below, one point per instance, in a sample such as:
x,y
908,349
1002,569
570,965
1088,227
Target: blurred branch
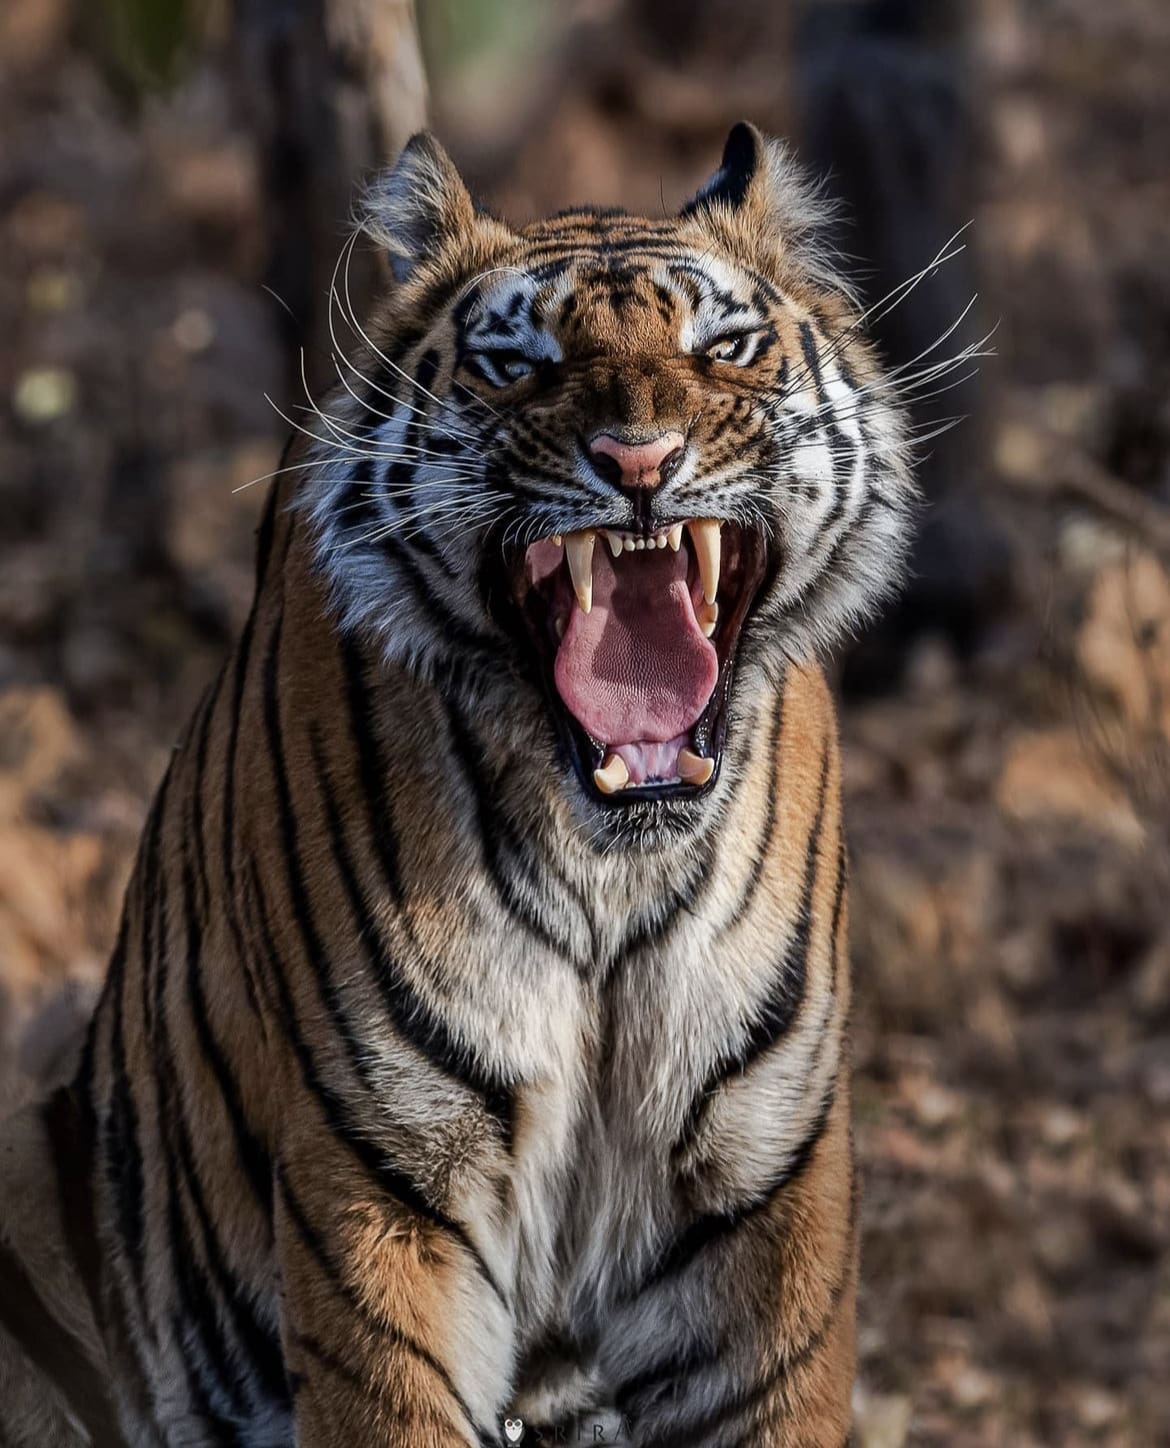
x,y
1036,459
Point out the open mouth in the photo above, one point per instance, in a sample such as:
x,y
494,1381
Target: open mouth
x,y
637,634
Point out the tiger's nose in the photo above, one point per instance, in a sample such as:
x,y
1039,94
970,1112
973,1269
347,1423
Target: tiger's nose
x,y
637,464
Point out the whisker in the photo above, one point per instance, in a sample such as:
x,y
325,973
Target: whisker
x,y
279,472
882,308
394,367
349,316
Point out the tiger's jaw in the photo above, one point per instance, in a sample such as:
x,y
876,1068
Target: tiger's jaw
x,y
637,638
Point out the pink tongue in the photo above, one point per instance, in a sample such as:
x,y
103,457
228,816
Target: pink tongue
x,y
637,667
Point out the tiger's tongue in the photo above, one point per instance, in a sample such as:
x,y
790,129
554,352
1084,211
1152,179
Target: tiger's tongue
x,y
636,667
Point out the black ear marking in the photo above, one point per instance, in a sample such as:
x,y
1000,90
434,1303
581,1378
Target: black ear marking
x,y
729,185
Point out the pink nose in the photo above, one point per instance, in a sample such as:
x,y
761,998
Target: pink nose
x,y
635,464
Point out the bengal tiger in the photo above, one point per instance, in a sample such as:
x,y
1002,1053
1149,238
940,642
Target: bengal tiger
x,y
472,1065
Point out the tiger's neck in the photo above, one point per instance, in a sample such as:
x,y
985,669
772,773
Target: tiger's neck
x,y
466,792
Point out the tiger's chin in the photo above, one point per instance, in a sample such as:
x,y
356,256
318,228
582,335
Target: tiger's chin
x,y
636,636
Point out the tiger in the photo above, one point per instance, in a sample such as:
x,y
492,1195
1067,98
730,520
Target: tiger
x,y
473,1061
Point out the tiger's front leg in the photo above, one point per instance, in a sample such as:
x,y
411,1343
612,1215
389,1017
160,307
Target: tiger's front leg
x,y
396,1331
756,1310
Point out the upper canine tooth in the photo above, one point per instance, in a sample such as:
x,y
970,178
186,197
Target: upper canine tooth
x,y
705,537
615,542
579,552
613,774
708,616
674,537
693,768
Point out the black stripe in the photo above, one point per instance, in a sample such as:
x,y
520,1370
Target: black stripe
x,y
147,870
336,1110
747,898
55,1352
225,1434
402,475
121,1149
690,1432
371,767
812,361
197,1310
718,1226
71,1145
411,1015
838,905
311,1347
202,735
260,1343
496,835
839,445
227,814
789,981
455,632
645,1386
387,1330
253,1158
267,530
652,927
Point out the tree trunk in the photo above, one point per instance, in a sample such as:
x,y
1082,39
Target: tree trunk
x,y
334,89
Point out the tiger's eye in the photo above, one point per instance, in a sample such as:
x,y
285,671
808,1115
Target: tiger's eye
x,y
732,349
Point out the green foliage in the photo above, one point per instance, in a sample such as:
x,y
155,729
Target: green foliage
x,y
146,42
461,33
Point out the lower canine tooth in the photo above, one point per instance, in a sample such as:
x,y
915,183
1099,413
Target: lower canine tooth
x,y
579,552
613,774
708,616
693,768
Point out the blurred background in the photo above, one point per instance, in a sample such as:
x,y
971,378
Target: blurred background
x,y
175,183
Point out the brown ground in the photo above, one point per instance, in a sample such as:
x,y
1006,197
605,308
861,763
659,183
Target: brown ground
x,y
1009,812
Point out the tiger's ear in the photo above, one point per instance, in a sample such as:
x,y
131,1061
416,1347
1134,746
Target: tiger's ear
x,y
418,206
743,155
763,207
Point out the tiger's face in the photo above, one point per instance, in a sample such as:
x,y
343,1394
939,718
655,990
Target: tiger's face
x,y
635,464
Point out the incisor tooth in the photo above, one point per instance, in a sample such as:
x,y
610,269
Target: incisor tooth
x,y
675,536
613,775
557,539
615,543
579,552
705,537
693,768
708,616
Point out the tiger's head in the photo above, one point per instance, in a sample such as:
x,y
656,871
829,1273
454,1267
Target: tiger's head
x,y
632,466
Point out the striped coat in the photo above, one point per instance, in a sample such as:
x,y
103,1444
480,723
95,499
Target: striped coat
x,y
435,1096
